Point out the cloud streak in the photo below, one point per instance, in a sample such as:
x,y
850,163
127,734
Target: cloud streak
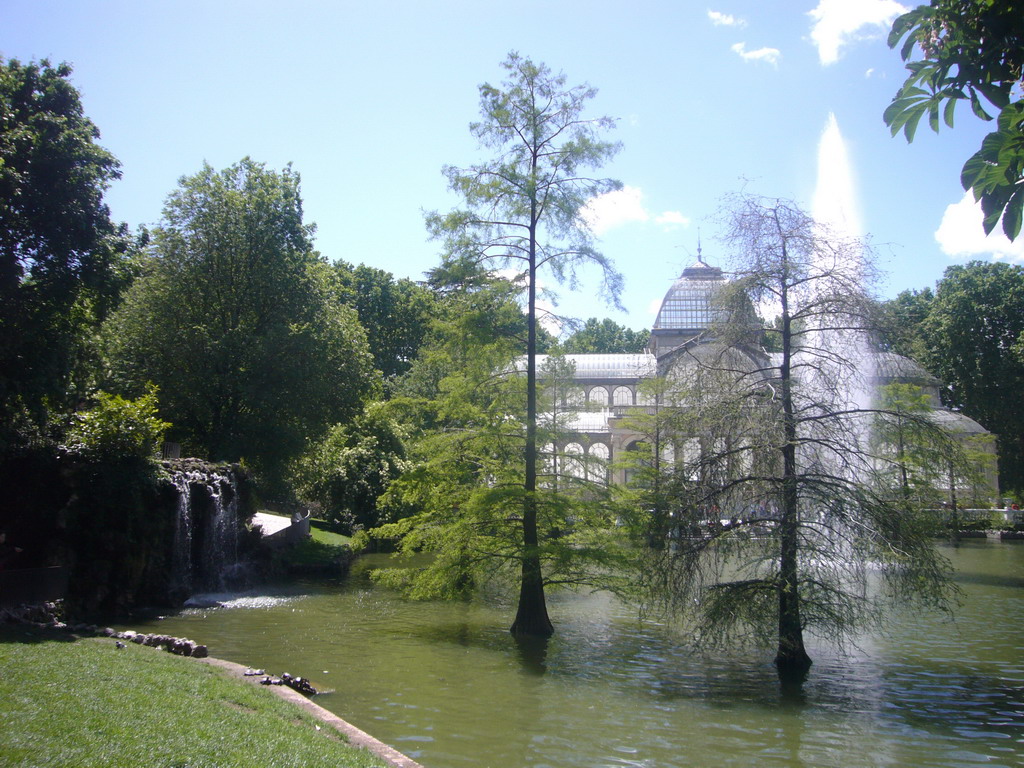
x,y
767,55
725,19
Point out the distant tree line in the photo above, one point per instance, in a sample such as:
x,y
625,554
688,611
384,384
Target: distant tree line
x,y
969,333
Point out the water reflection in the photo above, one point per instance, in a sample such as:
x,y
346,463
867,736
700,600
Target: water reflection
x,y
533,654
447,683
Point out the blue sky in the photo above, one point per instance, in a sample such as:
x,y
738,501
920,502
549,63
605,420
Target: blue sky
x,y
369,100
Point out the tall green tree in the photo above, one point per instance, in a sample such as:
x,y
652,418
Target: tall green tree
x,y
59,250
605,337
970,50
461,499
901,323
970,333
237,321
523,211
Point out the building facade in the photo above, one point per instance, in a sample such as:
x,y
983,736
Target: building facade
x,y
596,410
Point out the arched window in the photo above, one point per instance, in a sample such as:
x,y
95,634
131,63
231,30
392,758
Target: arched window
x,y
638,451
598,396
574,396
597,467
547,458
622,396
572,461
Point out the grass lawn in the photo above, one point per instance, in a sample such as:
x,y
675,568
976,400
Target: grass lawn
x,y
322,533
324,552
85,702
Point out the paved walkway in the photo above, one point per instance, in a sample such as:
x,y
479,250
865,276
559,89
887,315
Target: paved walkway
x,y
271,524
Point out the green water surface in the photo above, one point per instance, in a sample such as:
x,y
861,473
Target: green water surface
x,y
446,684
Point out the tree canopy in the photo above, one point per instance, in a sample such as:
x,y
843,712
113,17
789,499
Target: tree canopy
x,y
237,321
968,332
972,327
971,50
58,247
394,313
604,336
461,498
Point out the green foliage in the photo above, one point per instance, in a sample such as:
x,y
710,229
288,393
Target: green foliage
x,y
605,337
461,502
900,323
238,322
352,466
971,50
116,427
918,462
59,251
395,314
969,335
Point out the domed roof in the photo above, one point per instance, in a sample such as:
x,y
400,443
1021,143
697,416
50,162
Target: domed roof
x,y
689,303
891,367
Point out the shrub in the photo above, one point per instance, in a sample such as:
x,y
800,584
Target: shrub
x,y
118,428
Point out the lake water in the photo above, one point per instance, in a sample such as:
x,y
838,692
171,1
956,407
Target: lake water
x,y
446,684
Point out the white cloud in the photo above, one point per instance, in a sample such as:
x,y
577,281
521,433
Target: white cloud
x,y
625,206
838,23
671,219
960,234
725,19
770,55
613,209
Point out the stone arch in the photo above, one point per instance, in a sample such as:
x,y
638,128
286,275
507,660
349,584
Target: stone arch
x,y
574,396
633,446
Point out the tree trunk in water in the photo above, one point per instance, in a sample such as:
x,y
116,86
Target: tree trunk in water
x,y
532,613
791,660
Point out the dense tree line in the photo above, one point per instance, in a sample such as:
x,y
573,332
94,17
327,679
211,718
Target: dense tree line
x,y
969,332
62,260
248,343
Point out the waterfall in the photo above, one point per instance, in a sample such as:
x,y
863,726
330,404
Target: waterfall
x,y
181,553
205,549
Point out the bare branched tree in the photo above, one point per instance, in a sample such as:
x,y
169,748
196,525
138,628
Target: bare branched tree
x,y
777,512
